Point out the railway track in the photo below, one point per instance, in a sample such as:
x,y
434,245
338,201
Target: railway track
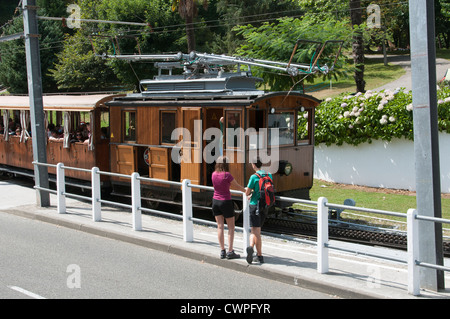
x,y
346,232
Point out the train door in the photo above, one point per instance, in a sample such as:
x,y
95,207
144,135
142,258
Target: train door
x,y
126,154
212,141
234,141
191,146
126,163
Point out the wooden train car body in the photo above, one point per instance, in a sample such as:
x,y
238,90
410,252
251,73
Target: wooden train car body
x,y
152,150
175,129
16,153
144,136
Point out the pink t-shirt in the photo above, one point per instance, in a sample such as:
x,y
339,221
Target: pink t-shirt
x,y
221,182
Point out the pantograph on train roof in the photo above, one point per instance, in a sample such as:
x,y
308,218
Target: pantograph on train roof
x,y
205,73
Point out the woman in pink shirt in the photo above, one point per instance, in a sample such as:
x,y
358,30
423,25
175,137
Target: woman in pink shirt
x,y
222,206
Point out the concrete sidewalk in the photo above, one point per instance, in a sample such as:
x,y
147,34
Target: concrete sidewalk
x,y
351,275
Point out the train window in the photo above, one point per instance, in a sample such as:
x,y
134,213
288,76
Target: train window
x,y
233,129
85,117
168,124
129,125
284,122
104,125
303,130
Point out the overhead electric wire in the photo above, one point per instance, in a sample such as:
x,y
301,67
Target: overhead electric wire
x,y
94,20
155,30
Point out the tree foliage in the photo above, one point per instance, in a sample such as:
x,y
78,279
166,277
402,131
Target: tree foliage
x,y
13,71
69,56
80,69
188,10
80,66
362,118
276,41
232,13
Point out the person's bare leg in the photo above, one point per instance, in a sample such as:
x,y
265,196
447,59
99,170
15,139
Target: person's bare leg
x,y
220,231
257,240
231,226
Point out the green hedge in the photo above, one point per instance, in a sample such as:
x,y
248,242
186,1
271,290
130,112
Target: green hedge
x,y
363,117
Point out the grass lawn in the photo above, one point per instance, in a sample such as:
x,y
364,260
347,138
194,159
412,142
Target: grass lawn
x,y
376,74
375,198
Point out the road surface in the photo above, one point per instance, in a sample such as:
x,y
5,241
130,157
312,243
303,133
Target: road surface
x,y
40,260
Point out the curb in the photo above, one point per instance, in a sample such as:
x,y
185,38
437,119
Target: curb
x,y
256,270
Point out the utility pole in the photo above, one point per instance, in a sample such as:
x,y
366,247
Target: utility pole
x,y
38,133
426,142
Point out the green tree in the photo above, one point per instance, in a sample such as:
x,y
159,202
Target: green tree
x,y
188,11
442,12
255,12
80,69
276,41
322,9
80,66
358,44
13,71
8,9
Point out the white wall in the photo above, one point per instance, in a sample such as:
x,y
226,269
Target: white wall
x,y
379,164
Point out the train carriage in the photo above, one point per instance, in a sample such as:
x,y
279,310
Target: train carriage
x,y
66,111
144,138
176,127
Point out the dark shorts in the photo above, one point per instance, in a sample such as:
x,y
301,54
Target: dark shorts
x,y
256,218
223,207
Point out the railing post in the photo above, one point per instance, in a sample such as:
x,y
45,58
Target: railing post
x,y
96,195
136,201
60,189
413,252
246,221
188,225
322,235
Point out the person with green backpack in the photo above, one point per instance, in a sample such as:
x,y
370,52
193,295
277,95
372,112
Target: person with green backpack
x,y
258,208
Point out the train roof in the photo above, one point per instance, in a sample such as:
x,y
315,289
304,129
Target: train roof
x,y
202,100
59,102
86,103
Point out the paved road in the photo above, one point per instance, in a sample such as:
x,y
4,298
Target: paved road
x,y
405,81
43,260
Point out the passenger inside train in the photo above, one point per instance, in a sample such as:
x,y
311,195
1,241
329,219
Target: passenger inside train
x,y
55,136
78,137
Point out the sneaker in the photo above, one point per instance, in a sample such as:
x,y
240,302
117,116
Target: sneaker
x,y
232,255
249,254
259,259
222,254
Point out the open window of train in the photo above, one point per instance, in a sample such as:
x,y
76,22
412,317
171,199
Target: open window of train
x,y
284,122
233,129
168,124
104,125
11,118
56,127
304,122
256,121
129,126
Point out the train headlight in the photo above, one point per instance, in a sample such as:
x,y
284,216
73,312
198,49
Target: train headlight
x,y
285,168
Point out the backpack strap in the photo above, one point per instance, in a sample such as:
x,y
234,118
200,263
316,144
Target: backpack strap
x,y
263,175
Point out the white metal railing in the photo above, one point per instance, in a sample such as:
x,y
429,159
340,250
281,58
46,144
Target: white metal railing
x,y
135,206
413,250
322,204
322,229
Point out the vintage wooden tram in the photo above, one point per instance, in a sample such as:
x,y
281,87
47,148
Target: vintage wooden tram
x,y
164,132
